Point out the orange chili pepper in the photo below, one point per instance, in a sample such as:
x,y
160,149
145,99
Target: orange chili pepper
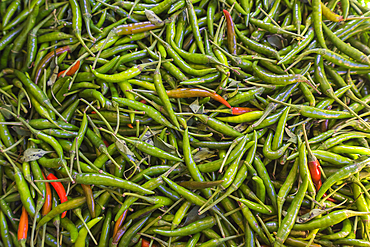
x,y
59,188
231,37
23,226
72,71
130,126
89,199
46,60
196,92
48,199
146,243
119,222
242,110
133,28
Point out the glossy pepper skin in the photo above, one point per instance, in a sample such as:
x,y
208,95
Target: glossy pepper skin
x,y
23,227
231,36
59,188
229,111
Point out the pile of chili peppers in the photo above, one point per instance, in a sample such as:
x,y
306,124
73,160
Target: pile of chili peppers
x,y
184,123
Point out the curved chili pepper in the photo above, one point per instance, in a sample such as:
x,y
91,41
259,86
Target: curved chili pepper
x,y
317,21
231,36
242,110
318,186
192,228
133,28
119,222
72,71
48,199
330,15
125,75
195,92
47,59
23,227
59,188
90,199
289,220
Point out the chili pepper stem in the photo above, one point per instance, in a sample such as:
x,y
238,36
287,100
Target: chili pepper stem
x,y
73,64
273,87
35,187
342,126
332,193
196,134
110,35
79,215
14,145
270,238
38,208
350,110
99,114
55,180
228,153
43,235
282,103
209,199
12,190
310,154
219,111
356,18
260,202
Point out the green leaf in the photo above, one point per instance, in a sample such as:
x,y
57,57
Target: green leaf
x,y
32,154
122,147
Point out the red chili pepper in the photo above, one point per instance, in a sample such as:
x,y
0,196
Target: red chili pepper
x,y
23,226
242,110
46,60
93,112
314,167
231,37
119,222
146,243
106,143
143,101
59,188
72,71
196,92
130,126
48,199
